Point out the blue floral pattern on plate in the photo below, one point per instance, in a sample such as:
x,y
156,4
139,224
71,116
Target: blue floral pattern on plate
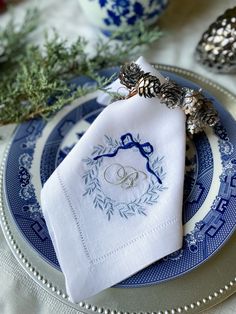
x,y
206,236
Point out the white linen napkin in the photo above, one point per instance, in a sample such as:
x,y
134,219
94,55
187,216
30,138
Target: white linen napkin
x,y
114,205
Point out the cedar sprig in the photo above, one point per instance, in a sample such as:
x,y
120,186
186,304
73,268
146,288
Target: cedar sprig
x,y
35,81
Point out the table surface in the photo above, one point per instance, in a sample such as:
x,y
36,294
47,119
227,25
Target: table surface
x,y
183,23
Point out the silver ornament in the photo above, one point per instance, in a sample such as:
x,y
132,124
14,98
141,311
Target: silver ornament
x,y
217,47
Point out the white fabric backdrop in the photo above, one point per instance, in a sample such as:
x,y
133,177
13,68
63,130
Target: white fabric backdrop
x,y
183,22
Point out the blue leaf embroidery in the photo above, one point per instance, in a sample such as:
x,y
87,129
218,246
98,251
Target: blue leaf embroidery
x,y
93,188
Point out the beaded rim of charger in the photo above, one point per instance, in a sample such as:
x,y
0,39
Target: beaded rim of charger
x,y
198,109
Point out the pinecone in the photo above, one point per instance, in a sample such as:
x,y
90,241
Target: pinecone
x,y
192,101
148,86
217,47
193,125
171,94
208,117
130,73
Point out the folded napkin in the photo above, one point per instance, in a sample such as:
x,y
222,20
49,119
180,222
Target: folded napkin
x,y
113,206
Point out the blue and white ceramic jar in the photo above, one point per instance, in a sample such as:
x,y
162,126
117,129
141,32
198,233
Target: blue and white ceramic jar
x,y
110,14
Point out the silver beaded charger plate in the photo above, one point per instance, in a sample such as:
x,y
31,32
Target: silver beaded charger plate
x,y
199,289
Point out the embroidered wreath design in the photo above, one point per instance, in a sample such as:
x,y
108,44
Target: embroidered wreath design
x,y
111,206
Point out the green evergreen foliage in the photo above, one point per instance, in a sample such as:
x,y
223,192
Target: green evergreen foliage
x,y
30,75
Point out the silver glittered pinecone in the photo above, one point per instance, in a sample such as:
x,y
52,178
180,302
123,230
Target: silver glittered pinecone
x,y
148,86
171,94
217,47
193,100
205,117
130,73
193,125
208,115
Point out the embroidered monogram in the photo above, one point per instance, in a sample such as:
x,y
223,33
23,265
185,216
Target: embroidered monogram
x,y
141,182
125,176
128,142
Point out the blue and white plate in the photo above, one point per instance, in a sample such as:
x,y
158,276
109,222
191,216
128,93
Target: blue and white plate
x,y
209,213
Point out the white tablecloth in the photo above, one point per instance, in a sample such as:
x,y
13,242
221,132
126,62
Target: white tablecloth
x,y
183,24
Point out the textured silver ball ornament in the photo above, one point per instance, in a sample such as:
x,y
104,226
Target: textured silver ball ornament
x,y
217,46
